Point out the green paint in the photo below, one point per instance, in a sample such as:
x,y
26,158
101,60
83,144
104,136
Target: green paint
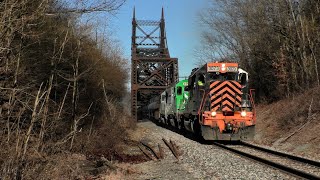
x,y
181,95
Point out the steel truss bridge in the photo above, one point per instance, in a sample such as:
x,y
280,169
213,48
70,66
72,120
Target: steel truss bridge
x,y
152,68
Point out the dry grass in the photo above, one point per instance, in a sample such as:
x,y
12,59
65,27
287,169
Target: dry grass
x,y
292,123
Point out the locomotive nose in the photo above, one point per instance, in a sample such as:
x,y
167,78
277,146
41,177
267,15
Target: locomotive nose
x,y
225,96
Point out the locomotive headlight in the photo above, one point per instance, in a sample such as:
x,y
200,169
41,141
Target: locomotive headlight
x,y
223,67
213,113
243,113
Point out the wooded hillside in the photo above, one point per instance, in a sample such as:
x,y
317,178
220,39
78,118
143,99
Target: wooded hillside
x,y
59,90
276,41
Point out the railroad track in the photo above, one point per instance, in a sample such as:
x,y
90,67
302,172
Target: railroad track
x,y
294,165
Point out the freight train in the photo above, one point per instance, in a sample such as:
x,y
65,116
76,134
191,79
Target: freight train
x,y
214,103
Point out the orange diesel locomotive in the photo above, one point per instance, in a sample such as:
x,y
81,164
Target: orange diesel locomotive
x,y
220,105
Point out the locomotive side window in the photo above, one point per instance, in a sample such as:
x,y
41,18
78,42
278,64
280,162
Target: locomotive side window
x,y
201,80
243,79
179,90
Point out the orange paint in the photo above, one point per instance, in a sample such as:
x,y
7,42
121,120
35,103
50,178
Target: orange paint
x,y
220,120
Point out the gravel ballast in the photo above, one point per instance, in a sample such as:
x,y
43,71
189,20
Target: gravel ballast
x,y
199,161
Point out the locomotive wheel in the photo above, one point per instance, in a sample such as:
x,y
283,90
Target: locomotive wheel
x,y
179,125
175,123
163,120
172,122
196,128
166,120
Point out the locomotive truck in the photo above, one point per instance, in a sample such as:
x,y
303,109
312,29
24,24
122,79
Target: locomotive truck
x,y
215,103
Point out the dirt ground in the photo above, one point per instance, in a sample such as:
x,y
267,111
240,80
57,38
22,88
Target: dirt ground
x,y
303,142
291,125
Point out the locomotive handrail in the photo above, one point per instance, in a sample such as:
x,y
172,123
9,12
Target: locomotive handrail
x,y
253,105
204,96
251,98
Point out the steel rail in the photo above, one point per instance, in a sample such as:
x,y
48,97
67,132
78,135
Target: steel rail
x,y
281,154
270,163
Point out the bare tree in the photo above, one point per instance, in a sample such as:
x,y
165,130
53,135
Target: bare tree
x,y
274,40
83,6
51,69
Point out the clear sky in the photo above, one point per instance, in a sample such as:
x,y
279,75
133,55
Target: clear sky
x,y
182,28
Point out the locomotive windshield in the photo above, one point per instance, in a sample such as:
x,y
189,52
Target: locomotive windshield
x,y
216,76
